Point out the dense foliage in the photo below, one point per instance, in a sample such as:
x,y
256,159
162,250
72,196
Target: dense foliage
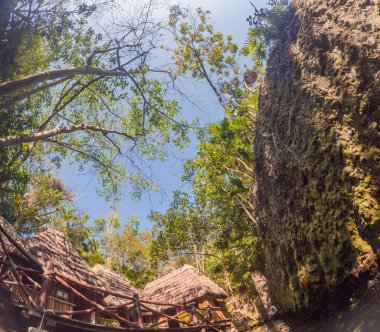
x,y
94,98
215,228
123,248
75,92
266,26
99,106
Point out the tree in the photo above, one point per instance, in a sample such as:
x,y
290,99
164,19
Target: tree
x,y
126,249
49,204
70,93
266,26
207,55
221,172
45,201
184,230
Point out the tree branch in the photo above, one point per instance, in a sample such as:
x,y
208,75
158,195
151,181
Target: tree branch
x,y
24,82
59,107
206,76
39,136
28,93
67,146
249,169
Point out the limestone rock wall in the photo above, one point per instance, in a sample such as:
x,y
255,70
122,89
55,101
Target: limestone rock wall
x,y
317,150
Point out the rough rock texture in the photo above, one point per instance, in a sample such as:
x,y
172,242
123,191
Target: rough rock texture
x,y
318,150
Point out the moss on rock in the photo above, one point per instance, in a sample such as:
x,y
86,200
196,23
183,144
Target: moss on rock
x,y
318,151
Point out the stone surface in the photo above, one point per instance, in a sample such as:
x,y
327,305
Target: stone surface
x,y
317,151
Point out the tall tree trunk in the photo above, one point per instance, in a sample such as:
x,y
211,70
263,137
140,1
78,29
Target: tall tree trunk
x,y
6,7
8,38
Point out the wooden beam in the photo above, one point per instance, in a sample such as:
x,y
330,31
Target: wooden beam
x,y
94,304
35,283
15,274
194,317
210,324
75,312
95,288
165,321
125,304
108,292
167,316
47,280
25,253
137,307
165,304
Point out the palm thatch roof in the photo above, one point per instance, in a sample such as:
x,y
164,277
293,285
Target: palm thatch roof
x,y
114,282
11,231
182,286
53,245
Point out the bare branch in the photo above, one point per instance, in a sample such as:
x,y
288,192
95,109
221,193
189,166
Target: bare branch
x,y
31,92
58,108
207,77
103,51
24,82
39,136
249,169
87,155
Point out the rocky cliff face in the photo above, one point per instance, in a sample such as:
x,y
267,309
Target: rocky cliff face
x,y
318,150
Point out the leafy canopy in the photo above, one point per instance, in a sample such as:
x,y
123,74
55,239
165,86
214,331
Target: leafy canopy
x,y
215,228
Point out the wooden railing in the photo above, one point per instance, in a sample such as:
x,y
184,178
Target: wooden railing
x,y
19,295
56,304
41,300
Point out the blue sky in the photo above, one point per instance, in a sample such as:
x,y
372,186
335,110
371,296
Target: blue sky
x,y
229,17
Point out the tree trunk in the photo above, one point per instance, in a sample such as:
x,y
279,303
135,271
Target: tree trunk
x,y
6,7
139,318
47,281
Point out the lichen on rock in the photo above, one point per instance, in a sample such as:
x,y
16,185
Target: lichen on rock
x,y
317,150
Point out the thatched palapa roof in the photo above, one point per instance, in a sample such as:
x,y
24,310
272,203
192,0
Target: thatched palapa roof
x,y
53,245
114,282
182,286
14,235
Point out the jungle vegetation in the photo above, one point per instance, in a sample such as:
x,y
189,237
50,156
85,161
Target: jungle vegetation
x,y
94,96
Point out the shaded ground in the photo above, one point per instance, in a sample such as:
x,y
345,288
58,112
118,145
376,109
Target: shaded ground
x,y
363,316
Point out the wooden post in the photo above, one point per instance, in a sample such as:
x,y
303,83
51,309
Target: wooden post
x,y
96,305
194,316
20,248
165,315
139,318
14,273
47,280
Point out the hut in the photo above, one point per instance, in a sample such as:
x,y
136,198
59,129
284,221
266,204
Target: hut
x,y
188,287
13,233
51,247
15,249
44,282
45,273
117,283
